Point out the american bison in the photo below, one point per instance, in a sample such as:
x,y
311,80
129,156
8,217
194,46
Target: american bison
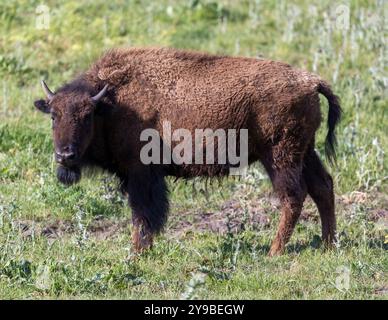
x,y
98,119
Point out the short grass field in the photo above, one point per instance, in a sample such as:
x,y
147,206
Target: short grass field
x,y
74,242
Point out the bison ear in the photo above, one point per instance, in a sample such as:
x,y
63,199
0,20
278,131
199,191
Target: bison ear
x,y
42,105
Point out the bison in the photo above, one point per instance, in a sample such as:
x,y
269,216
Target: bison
x,y
98,118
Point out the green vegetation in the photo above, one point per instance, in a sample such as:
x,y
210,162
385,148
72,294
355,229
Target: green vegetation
x,y
58,242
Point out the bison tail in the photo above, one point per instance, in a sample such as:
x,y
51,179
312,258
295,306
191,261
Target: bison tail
x,y
333,118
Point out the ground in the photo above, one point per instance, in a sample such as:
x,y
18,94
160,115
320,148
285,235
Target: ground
x,y
67,243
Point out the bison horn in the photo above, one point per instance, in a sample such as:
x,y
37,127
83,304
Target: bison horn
x,y
47,91
99,95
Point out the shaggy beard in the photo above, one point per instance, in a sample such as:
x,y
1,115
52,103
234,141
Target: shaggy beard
x,y
68,176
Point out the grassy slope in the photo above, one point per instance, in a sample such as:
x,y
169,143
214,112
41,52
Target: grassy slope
x,y
89,262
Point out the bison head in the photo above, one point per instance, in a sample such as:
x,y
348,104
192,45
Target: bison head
x,y
72,114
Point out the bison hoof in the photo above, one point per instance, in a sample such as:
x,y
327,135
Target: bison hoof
x,y
141,240
276,250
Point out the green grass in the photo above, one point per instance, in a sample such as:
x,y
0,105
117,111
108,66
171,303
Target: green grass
x,y
66,243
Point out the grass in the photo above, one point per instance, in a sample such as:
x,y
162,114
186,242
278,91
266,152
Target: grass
x,y
67,243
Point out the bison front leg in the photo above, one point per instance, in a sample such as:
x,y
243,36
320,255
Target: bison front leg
x,y
147,193
142,235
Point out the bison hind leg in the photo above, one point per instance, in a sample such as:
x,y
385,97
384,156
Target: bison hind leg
x,y
320,188
284,165
291,190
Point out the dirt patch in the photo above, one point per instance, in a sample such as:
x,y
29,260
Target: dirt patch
x,y
258,213
378,215
309,214
57,229
100,228
231,217
373,204
355,197
52,229
383,291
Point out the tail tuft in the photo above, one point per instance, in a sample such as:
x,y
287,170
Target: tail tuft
x,y
333,118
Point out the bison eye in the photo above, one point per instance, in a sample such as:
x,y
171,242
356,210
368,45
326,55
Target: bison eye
x,y
88,118
53,118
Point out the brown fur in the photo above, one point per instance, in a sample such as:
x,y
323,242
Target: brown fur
x,y
279,105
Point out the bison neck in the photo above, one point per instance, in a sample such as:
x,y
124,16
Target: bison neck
x,y
99,152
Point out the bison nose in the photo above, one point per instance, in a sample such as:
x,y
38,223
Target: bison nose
x,y
66,155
